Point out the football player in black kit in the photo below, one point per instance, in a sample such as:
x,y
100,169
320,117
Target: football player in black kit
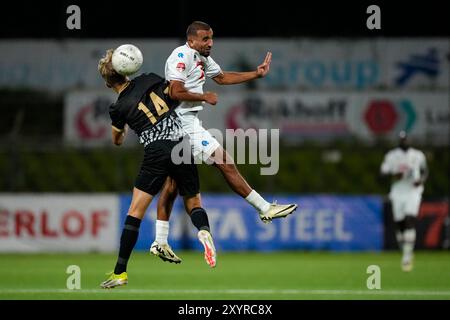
x,y
145,107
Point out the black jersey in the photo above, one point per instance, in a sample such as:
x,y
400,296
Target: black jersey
x,y
142,104
146,107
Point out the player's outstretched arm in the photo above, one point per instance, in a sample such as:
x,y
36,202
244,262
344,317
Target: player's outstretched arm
x,y
239,77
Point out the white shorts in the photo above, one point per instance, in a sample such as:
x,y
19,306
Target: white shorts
x,y
403,205
203,144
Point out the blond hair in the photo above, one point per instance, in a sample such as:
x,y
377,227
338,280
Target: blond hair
x,y
107,71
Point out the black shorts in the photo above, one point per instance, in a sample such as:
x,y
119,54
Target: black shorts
x,y
157,166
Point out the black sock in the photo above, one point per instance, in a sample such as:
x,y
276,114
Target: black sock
x,y
128,239
200,219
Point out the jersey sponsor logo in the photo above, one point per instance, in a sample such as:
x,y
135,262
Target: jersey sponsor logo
x,y
202,68
181,66
180,55
205,143
403,167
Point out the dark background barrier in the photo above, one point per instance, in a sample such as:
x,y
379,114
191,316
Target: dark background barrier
x,y
433,227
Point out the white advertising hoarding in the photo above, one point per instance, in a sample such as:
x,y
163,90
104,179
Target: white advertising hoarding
x,y
299,116
329,116
58,222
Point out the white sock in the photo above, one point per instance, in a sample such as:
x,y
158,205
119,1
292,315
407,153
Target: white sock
x,y
409,239
399,236
162,231
257,201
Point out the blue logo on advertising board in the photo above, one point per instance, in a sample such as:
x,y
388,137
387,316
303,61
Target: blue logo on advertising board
x,y
426,64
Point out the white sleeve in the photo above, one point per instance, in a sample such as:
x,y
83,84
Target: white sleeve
x,y
212,69
386,166
416,169
424,167
423,161
177,67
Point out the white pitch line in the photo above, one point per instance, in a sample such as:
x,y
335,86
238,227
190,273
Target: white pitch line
x,y
234,291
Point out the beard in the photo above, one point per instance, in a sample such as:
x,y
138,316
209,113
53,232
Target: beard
x,y
205,53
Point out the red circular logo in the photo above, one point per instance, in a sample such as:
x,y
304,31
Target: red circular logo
x,y
381,116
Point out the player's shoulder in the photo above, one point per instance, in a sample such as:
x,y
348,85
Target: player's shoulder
x,y
144,82
182,52
148,77
393,152
418,152
115,106
415,150
210,60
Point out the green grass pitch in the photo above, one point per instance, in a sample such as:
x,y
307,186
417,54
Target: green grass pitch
x,y
292,275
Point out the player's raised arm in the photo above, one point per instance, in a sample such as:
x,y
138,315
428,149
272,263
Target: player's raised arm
x,y
264,67
261,71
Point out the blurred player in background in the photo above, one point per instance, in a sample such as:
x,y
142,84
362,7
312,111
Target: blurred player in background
x,y
409,170
187,68
145,106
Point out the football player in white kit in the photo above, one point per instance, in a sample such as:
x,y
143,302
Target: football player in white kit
x,y
187,68
409,169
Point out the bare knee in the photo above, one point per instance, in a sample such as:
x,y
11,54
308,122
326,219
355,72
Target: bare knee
x,y
139,203
137,209
191,202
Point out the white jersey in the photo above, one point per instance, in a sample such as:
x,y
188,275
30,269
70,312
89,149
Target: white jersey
x,y
187,65
410,163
